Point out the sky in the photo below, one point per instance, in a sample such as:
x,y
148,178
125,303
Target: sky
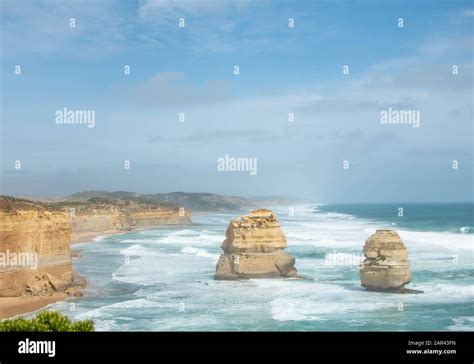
x,y
335,149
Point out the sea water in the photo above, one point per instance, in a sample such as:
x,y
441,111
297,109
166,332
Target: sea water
x,y
162,279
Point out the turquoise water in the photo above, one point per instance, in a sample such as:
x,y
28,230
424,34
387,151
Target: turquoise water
x,y
443,217
162,279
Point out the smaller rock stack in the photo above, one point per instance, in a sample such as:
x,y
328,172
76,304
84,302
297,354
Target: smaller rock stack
x,y
253,248
386,266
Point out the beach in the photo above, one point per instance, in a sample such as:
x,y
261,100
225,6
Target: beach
x,y
14,306
77,238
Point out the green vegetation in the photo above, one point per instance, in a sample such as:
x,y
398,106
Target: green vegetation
x,y
101,200
192,201
47,321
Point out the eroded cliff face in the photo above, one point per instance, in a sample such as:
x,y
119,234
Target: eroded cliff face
x,y
101,218
35,258
253,248
386,266
34,248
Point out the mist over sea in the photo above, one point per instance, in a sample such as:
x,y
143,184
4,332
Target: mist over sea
x,y
162,279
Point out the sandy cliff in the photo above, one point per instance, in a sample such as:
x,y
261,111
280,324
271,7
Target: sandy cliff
x,y
34,248
253,248
35,259
100,217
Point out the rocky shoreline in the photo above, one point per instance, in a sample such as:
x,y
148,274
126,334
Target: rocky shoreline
x,y
253,248
36,267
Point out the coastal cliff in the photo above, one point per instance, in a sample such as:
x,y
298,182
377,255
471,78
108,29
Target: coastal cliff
x,y
103,216
34,248
35,258
253,248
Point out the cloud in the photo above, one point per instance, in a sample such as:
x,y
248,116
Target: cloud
x,y
336,118
109,27
446,46
221,135
363,143
41,27
154,10
220,26
469,13
173,89
422,81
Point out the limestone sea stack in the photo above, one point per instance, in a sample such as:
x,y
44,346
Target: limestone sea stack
x,y
386,267
253,248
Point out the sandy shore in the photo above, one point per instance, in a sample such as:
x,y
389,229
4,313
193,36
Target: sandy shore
x,y
86,237
13,306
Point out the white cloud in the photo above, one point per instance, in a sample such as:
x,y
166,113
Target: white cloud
x,y
468,13
156,9
173,89
39,26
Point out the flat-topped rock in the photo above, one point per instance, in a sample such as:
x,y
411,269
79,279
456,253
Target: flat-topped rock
x,y
253,248
257,232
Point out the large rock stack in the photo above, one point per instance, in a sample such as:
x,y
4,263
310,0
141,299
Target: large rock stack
x,y
386,266
253,248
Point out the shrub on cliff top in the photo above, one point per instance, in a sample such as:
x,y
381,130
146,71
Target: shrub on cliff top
x,y
47,321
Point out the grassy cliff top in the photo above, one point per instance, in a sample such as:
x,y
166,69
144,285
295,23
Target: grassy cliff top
x,y
192,201
11,204
124,199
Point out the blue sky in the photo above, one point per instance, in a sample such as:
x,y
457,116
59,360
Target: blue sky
x,y
283,70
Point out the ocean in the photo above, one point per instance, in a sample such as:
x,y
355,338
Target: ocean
x,y
162,279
